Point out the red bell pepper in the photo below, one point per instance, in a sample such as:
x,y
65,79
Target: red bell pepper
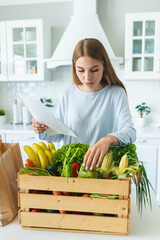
x,y
75,169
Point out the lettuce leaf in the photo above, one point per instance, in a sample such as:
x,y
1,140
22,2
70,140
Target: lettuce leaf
x,y
76,154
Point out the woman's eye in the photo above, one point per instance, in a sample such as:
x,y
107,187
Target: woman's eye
x,y
96,70
80,71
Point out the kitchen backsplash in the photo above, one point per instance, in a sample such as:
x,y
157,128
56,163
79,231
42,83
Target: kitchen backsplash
x,y
9,91
138,92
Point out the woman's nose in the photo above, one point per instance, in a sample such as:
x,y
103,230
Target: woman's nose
x,y
88,75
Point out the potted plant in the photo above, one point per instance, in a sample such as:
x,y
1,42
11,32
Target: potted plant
x,y
142,109
2,116
47,102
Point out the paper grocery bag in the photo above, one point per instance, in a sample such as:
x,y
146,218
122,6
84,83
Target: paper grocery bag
x,y
10,165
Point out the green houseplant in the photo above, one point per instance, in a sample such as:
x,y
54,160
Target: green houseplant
x,y
2,112
2,116
142,110
47,102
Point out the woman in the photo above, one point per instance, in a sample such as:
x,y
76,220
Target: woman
x,y
95,106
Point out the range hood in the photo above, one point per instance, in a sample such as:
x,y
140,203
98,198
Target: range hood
x,y
83,24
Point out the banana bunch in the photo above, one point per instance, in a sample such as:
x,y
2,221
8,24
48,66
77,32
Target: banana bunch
x,y
40,154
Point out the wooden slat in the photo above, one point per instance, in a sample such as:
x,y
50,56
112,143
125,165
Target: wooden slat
x,y
128,226
129,206
19,198
121,197
25,191
70,203
80,222
75,231
125,198
101,186
19,216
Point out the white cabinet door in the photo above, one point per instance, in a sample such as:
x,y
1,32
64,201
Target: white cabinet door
x,y
22,140
25,50
142,46
149,155
3,53
158,177
24,44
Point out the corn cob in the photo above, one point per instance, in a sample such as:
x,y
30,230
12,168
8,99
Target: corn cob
x,y
123,163
43,146
32,155
106,163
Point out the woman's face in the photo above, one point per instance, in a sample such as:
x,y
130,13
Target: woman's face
x,y
89,71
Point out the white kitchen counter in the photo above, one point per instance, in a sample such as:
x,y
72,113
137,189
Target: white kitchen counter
x,y
148,131
16,129
145,228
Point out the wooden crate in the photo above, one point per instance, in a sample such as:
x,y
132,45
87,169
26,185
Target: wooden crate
x,y
115,220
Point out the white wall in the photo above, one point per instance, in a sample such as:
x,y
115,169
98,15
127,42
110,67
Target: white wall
x,y
112,17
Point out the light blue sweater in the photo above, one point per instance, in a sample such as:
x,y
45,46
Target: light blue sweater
x,y
94,115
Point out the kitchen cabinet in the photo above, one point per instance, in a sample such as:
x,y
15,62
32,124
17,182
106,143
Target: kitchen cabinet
x,y
142,46
3,52
158,177
23,134
148,151
149,155
22,139
24,44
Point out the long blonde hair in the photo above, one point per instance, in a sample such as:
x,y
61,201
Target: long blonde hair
x,y
93,48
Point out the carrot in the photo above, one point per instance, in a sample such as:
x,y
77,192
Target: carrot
x,y
66,193
62,211
57,193
36,210
85,195
30,163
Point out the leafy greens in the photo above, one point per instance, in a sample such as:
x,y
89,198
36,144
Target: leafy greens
x,y
76,154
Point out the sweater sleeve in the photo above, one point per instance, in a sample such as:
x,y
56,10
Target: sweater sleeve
x,y
125,132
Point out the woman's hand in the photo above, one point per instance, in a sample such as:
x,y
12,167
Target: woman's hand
x,y
38,127
96,152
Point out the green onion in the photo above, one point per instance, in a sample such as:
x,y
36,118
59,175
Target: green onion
x,y
35,171
103,196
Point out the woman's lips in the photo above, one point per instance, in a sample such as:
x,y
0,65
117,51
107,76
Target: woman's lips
x,y
89,84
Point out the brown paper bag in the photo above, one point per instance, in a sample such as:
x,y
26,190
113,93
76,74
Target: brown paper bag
x,y
10,165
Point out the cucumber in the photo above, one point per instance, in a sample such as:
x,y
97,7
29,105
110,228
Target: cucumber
x,y
51,211
53,170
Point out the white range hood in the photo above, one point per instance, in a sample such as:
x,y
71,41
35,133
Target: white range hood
x,y
83,24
